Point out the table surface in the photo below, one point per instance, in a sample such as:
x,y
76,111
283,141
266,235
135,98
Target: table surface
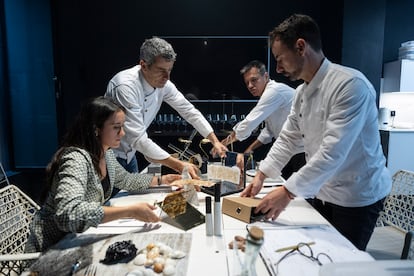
x,y
210,255
377,268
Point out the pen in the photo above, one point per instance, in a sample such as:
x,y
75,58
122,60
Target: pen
x,y
217,210
293,247
209,218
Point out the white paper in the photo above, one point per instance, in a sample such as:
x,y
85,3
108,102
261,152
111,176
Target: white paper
x,y
327,240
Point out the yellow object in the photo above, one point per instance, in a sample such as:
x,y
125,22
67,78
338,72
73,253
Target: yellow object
x,y
293,247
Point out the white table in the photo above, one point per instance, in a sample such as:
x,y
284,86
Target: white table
x,y
209,255
377,268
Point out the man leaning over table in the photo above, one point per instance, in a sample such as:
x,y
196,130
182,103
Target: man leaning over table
x,y
141,90
273,107
334,116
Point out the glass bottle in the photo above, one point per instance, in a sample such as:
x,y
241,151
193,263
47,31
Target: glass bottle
x,y
254,241
185,174
190,193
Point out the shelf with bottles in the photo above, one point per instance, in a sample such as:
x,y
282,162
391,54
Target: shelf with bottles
x,y
174,125
221,114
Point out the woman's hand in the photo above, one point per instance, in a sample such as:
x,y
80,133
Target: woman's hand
x,y
169,178
143,212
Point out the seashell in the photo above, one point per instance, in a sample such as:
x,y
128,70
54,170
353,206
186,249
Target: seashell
x,y
158,267
143,251
148,262
169,270
150,246
160,244
165,250
154,253
140,259
177,254
149,272
136,272
169,261
160,260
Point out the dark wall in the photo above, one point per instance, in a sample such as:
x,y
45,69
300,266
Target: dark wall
x,y
363,38
29,99
398,28
4,103
96,39
373,33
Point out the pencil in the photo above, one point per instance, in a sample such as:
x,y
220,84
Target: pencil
x,y
292,247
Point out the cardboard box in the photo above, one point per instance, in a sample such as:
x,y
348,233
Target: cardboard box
x,y
241,208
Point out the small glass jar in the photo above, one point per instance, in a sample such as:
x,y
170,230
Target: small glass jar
x,y
254,241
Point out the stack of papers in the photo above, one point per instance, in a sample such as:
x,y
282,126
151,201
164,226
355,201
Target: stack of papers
x,y
323,238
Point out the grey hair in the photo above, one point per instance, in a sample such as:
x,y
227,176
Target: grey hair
x,y
155,47
256,64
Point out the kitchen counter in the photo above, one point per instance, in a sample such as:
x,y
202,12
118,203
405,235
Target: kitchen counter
x,y
398,148
397,129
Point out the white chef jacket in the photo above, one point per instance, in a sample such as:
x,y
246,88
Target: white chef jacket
x,y
273,107
336,118
143,102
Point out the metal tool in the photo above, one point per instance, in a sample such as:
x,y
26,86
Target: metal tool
x,y
189,141
202,142
180,152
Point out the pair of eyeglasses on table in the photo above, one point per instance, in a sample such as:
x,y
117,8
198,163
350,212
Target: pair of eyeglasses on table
x,y
305,250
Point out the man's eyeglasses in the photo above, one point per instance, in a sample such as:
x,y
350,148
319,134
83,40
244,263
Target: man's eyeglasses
x,y
305,250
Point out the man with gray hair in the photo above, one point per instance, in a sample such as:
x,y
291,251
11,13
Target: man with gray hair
x,y
141,90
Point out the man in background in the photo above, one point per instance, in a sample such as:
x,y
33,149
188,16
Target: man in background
x,y
273,107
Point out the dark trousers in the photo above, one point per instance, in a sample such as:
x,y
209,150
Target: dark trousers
x,y
355,223
295,163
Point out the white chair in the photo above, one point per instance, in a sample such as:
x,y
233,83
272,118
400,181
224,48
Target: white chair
x,y
395,221
408,250
16,213
3,177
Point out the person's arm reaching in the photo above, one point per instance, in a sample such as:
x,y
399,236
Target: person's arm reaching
x,y
256,144
178,165
218,147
